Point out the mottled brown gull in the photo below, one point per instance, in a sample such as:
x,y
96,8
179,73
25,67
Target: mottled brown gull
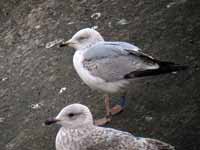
x,y
110,66
79,133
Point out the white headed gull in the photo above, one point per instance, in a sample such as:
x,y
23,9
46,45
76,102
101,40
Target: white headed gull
x,y
110,66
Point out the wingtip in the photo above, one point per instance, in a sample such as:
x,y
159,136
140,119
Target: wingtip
x,y
160,144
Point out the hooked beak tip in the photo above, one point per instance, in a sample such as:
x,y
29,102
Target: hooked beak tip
x,y
66,43
51,121
63,44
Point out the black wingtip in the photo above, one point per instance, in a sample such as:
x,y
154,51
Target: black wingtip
x,y
165,67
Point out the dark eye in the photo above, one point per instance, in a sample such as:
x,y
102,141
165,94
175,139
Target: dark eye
x,y
71,115
82,38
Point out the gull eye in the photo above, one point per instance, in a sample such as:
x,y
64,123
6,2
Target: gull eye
x,y
71,115
82,38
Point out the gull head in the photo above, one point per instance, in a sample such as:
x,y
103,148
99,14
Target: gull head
x,y
72,116
83,39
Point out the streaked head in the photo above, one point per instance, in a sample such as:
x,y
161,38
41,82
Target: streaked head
x,y
83,39
72,116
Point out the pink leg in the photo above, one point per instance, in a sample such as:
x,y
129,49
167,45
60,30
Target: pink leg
x,y
107,118
110,111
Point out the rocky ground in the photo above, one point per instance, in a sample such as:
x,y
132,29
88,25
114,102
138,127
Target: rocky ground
x,y
32,73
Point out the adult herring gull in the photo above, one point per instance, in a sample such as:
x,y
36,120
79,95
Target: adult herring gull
x,y
79,133
110,66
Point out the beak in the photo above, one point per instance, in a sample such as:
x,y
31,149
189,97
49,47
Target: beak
x,y
66,43
51,121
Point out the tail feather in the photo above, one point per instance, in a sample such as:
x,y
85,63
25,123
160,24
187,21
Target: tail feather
x,y
159,145
164,67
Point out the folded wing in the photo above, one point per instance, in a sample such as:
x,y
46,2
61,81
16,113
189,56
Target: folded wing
x,y
112,61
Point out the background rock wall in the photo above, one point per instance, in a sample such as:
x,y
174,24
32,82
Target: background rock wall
x,y
31,76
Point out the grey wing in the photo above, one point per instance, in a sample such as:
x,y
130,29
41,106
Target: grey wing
x,y
116,62
109,49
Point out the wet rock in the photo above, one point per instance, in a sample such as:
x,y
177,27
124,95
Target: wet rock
x,y
62,90
148,118
96,15
2,119
33,69
37,106
122,22
4,79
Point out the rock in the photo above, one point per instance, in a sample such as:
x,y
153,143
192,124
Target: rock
x,y
33,69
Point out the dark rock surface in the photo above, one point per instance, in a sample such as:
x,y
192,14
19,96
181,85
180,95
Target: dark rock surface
x,y
165,107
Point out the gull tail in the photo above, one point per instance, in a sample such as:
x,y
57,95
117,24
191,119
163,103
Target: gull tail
x,y
164,67
159,145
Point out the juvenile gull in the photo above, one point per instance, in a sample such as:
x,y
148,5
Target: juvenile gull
x,y
110,66
79,133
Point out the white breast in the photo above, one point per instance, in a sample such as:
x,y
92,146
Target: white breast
x,y
84,74
93,81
